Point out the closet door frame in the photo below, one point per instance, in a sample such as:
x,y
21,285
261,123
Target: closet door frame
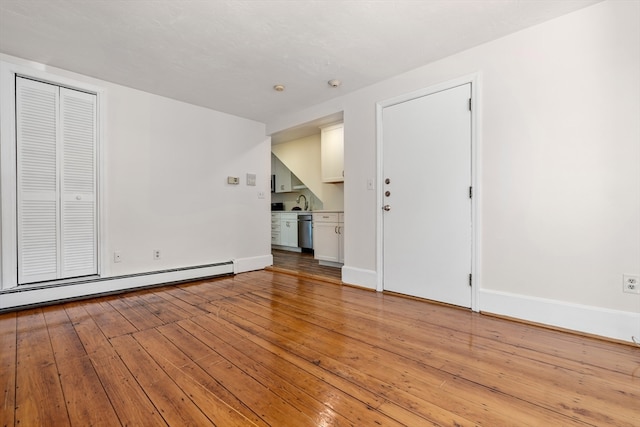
x,y
8,176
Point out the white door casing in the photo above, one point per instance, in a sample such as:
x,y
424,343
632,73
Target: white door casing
x,y
427,233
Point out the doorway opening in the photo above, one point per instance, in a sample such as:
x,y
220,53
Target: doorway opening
x,y
303,187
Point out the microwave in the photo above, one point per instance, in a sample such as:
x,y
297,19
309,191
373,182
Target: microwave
x,y
273,183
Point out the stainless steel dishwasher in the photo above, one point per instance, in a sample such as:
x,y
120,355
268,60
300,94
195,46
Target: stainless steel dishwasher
x,y
305,231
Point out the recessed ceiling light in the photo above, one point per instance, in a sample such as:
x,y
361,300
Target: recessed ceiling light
x,y
278,88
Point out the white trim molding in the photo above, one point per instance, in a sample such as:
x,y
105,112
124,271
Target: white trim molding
x,y
241,265
359,277
615,324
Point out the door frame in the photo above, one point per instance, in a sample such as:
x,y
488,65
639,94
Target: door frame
x,y
475,81
8,192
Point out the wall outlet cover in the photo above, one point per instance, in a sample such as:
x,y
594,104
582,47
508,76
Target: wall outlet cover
x,y
631,283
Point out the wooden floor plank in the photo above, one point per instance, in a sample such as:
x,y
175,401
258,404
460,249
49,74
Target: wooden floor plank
x,y
8,331
173,404
86,400
265,403
292,383
111,322
370,399
402,385
270,349
303,262
137,314
166,310
549,387
129,400
221,406
39,397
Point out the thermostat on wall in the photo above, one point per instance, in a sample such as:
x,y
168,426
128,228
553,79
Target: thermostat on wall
x,y
233,180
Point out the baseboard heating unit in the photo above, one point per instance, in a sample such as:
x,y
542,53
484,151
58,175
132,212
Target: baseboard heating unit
x,y
27,296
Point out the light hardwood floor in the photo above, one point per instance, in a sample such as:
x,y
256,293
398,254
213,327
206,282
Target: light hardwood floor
x,y
270,349
304,264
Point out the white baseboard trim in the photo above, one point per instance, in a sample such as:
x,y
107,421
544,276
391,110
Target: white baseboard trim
x,y
241,265
616,324
359,277
23,297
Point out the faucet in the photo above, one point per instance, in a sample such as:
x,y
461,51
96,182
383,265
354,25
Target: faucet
x,y
306,203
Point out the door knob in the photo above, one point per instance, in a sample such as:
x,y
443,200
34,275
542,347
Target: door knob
x,y
386,208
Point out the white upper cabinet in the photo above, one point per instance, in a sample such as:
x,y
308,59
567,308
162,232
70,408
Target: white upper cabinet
x,y
332,153
283,176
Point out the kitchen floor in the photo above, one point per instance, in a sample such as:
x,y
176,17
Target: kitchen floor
x,y
304,263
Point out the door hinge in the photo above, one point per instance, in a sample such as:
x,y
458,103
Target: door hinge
x,y
470,279
469,104
471,192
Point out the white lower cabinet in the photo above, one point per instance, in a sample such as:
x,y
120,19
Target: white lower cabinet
x,y
328,237
275,228
284,229
289,229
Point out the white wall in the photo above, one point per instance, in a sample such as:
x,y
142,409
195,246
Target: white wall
x,y
165,186
559,183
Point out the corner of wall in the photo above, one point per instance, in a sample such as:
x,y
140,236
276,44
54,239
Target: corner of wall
x,y
359,277
242,265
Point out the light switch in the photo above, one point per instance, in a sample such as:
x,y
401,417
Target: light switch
x,y
251,179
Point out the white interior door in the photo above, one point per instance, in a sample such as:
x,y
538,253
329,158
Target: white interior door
x,y
427,229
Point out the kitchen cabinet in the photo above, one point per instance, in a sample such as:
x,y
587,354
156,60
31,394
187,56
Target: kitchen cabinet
x,y
328,237
284,229
283,176
275,229
332,153
289,229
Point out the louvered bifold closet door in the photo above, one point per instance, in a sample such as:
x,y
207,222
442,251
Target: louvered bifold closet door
x,y
56,182
78,183
37,180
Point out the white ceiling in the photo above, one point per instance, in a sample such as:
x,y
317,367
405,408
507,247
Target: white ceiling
x,y
227,55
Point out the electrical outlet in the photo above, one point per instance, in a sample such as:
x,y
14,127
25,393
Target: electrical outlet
x,y
631,283
156,254
260,194
117,257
